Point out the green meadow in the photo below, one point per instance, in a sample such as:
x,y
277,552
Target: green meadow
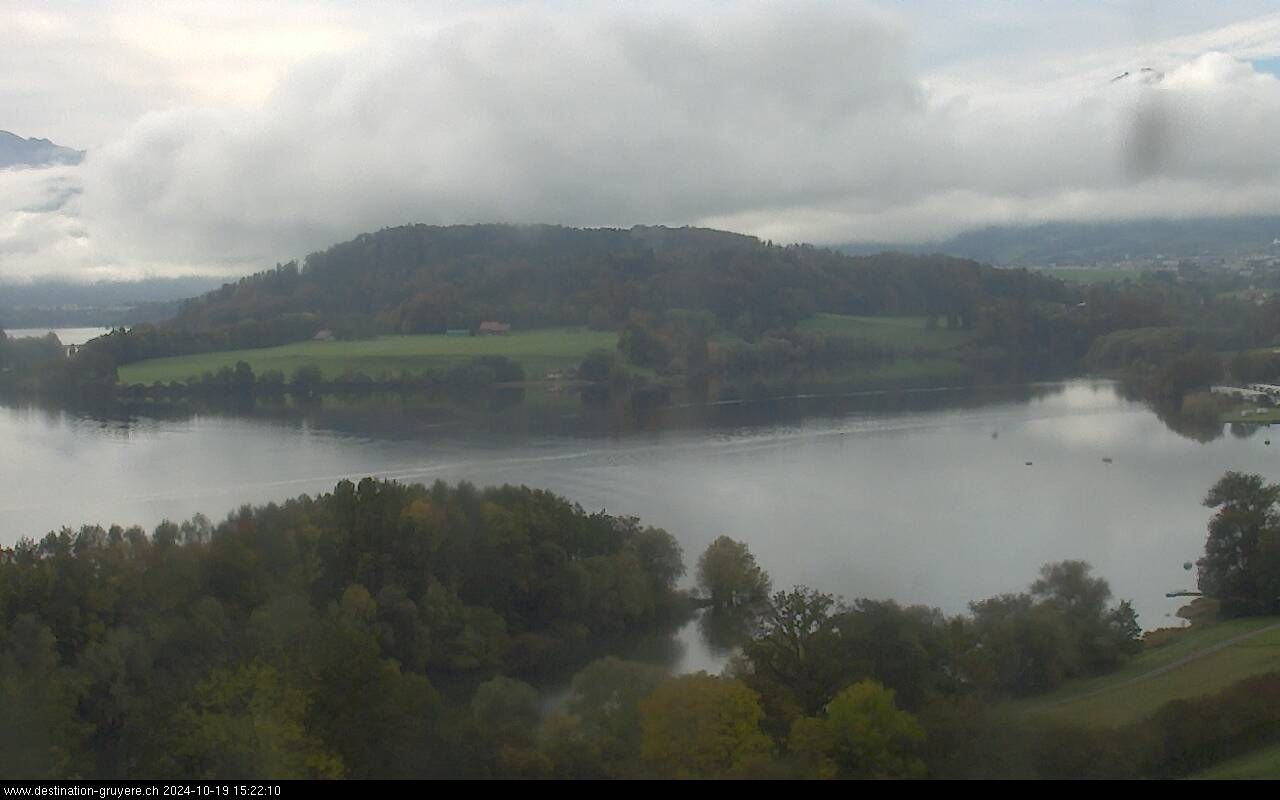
x,y
1092,274
1202,661
538,351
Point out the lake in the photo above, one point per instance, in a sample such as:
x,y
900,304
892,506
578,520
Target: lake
x,y
922,497
76,336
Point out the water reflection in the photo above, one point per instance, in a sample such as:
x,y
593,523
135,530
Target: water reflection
x,y
924,497
724,630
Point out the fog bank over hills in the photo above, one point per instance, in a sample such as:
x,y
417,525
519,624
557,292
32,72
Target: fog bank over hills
x,y
66,303
795,122
1076,243
102,293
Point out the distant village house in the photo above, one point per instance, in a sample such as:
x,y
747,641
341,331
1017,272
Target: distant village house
x,y
1253,395
1269,389
495,328
323,336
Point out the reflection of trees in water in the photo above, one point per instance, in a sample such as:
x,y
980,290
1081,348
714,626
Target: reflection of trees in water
x,y
1198,427
1192,426
580,411
1202,429
724,630
661,647
1241,430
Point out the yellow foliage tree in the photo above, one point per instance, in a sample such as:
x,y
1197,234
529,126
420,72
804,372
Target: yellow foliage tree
x,y
701,726
862,735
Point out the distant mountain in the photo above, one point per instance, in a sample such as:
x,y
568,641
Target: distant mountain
x,y
105,303
1088,243
55,293
16,152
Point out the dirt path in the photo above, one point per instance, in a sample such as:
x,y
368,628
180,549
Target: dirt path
x,y
1170,667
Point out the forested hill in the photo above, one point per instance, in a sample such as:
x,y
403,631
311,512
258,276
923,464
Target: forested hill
x,y
421,278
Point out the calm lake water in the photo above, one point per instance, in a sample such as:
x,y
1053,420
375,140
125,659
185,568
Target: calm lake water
x,y
76,336
931,503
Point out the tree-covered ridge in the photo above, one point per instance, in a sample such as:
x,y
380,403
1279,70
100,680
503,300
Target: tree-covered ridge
x,y
422,278
668,290
692,308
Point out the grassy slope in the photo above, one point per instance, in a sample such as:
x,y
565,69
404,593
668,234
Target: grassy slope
x,y
926,353
537,351
1091,274
1110,700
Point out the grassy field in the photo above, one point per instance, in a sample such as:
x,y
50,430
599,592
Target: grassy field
x,y
1117,698
1252,415
537,351
1091,274
902,333
547,350
1263,764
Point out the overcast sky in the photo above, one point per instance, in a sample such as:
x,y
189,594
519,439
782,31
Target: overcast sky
x,y
224,137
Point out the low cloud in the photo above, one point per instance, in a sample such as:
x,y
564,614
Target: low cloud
x,y
791,121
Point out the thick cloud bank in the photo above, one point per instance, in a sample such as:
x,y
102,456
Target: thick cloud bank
x,y
790,121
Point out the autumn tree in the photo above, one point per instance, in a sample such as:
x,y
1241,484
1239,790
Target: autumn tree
x,y
249,720
701,726
729,573
796,660
606,698
1102,635
1241,563
38,731
862,734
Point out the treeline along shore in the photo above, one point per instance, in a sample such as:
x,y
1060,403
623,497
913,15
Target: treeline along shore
x,y
387,630
655,311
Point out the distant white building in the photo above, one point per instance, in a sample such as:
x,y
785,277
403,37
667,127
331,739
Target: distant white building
x,y
1269,389
323,336
1241,393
